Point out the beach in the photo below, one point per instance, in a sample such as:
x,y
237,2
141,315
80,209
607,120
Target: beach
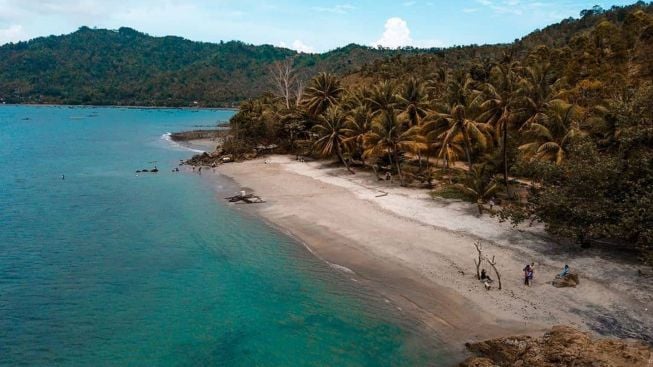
x,y
418,253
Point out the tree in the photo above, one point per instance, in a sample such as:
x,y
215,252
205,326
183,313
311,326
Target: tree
x,y
455,126
284,78
500,104
390,137
550,138
413,102
323,91
331,134
479,184
359,122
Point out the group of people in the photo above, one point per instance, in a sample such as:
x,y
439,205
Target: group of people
x,y
529,272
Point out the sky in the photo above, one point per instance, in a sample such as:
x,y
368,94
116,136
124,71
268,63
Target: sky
x,y
307,26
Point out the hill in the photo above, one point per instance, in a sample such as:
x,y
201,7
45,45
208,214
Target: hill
x,y
126,67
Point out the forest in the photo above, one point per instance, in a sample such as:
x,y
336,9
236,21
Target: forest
x,y
126,67
554,128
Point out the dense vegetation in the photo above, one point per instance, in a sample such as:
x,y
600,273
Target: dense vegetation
x,y
125,67
557,127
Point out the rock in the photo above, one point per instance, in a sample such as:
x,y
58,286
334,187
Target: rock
x,y
569,280
561,346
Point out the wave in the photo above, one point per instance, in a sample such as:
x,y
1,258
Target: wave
x,y
167,137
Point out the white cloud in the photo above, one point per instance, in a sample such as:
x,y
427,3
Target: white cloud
x,y
337,9
302,47
397,34
13,33
410,3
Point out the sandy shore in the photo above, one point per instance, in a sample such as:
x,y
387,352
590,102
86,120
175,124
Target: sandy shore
x,y
418,253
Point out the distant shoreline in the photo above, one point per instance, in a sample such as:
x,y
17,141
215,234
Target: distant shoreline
x,y
120,106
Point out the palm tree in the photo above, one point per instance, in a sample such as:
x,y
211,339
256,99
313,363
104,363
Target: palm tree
x,y
359,121
390,137
479,185
383,97
454,127
550,138
322,92
500,106
413,101
331,134
539,90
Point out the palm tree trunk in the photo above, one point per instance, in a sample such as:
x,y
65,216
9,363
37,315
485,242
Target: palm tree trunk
x,y
401,176
342,159
468,147
505,157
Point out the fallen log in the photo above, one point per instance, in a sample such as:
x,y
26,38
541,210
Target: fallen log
x,y
248,199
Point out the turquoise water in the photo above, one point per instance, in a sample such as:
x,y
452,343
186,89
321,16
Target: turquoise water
x,y
110,268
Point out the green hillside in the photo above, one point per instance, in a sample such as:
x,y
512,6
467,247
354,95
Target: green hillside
x,y
126,67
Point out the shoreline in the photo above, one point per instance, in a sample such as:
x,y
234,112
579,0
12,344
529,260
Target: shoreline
x,y
418,254
120,106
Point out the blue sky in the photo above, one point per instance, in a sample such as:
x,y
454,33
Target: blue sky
x,y
310,26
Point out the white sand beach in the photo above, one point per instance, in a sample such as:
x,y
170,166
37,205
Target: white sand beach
x,y
418,253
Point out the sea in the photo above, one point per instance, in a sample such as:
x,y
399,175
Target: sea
x,y
104,266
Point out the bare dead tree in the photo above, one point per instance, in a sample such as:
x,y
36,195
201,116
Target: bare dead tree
x,y
284,78
479,249
493,264
299,91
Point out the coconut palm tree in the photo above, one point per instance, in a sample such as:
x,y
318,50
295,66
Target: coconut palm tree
x,y
359,121
413,101
539,90
453,128
551,137
389,136
331,134
323,91
383,97
479,184
500,106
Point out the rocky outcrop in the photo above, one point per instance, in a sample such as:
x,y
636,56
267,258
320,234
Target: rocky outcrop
x,y
569,280
561,346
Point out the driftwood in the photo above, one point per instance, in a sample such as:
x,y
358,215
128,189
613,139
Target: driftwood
x,y
493,265
479,249
247,199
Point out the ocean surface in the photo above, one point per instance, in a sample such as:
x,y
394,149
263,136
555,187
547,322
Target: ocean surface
x,y
100,266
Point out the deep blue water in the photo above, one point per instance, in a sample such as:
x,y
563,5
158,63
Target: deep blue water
x,y
110,268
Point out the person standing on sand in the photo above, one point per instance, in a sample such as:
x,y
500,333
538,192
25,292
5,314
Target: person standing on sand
x,y
528,275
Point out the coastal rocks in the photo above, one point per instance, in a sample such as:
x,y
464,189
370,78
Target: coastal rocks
x,y
569,280
209,159
561,346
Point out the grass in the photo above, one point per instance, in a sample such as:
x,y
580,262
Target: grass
x,y
452,193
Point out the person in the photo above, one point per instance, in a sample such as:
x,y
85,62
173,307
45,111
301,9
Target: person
x,y
388,176
528,275
63,177
491,202
199,170
564,272
484,276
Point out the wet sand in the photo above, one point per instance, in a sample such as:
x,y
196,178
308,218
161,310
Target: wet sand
x,y
418,253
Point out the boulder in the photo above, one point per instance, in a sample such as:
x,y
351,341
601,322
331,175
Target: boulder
x,y
569,280
561,346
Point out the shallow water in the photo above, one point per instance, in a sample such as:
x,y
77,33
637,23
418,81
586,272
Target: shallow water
x,y
111,268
